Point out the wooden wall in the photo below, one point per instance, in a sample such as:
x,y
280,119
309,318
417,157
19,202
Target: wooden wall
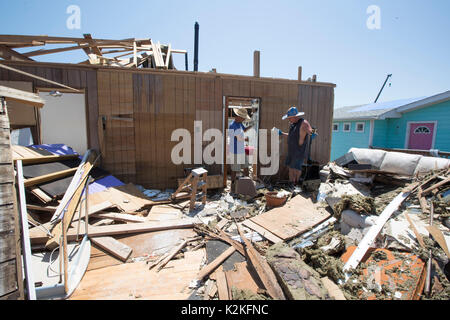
x,y
132,113
11,285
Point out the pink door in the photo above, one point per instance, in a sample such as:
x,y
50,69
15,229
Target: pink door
x,y
421,135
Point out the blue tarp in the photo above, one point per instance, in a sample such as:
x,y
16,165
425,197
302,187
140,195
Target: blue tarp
x,y
96,186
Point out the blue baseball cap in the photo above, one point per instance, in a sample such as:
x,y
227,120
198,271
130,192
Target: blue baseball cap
x,y
292,112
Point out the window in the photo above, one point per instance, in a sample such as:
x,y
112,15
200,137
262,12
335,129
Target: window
x,y
422,129
360,126
347,127
335,127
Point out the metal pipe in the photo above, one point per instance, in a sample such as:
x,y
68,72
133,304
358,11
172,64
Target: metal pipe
x,y
388,76
196,27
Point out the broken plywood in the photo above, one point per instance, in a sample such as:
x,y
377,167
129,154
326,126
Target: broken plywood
x,y
295,217
131,281
127,198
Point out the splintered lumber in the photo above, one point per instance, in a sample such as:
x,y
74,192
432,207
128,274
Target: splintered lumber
x,y
222,286
119,217
265,233
38,102
263,269
175,251
41,195
215,263
21,96
416,233
373,232
439,237
45,159
111,245
40,208
437,185
422,201
222,223
94,210
49,177
37,235
72,206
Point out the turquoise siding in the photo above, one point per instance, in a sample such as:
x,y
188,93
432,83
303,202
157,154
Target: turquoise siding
x,y
380,133
391,133
396,132
342,141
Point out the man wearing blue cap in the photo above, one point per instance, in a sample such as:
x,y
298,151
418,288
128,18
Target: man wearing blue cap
x,y
298,142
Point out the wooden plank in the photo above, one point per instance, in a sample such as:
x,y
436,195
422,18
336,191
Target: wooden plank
x,y
6,173
295,217
72,205
45,159
21,96
263,269
37,235
437,185
114,247
262,231
241,279
35,102
49,177
8,283
439,237
222,286
215,263
10,54
119,217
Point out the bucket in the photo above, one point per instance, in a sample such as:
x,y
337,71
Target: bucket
x,y
273,201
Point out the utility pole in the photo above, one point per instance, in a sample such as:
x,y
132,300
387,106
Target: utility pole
x,y
388,76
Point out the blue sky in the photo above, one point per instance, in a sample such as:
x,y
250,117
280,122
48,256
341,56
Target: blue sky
x,y
326,37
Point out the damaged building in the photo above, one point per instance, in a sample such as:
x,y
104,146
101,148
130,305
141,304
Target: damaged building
x,y
93,207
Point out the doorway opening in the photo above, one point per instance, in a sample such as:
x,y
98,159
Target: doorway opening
x,y
252,106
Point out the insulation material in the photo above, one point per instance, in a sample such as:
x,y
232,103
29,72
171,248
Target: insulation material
x,y
400,163
431,163
368,156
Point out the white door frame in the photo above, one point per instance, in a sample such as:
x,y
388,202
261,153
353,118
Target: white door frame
x,y
408,129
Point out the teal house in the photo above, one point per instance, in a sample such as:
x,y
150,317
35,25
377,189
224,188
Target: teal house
x,y
419,124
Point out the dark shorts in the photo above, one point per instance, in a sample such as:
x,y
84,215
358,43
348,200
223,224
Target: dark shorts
x,y
294,163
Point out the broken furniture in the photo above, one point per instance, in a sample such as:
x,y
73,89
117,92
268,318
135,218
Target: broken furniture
x,y
195,180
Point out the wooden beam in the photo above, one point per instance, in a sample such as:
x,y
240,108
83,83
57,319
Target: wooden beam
x,y
36,77
45,159
72,205
263,269
21,96
49,177
38,236
437,185
10,54
168,55
215,263
91,41
222,285
114,247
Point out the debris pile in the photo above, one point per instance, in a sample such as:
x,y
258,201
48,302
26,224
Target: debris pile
x,y
362,234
